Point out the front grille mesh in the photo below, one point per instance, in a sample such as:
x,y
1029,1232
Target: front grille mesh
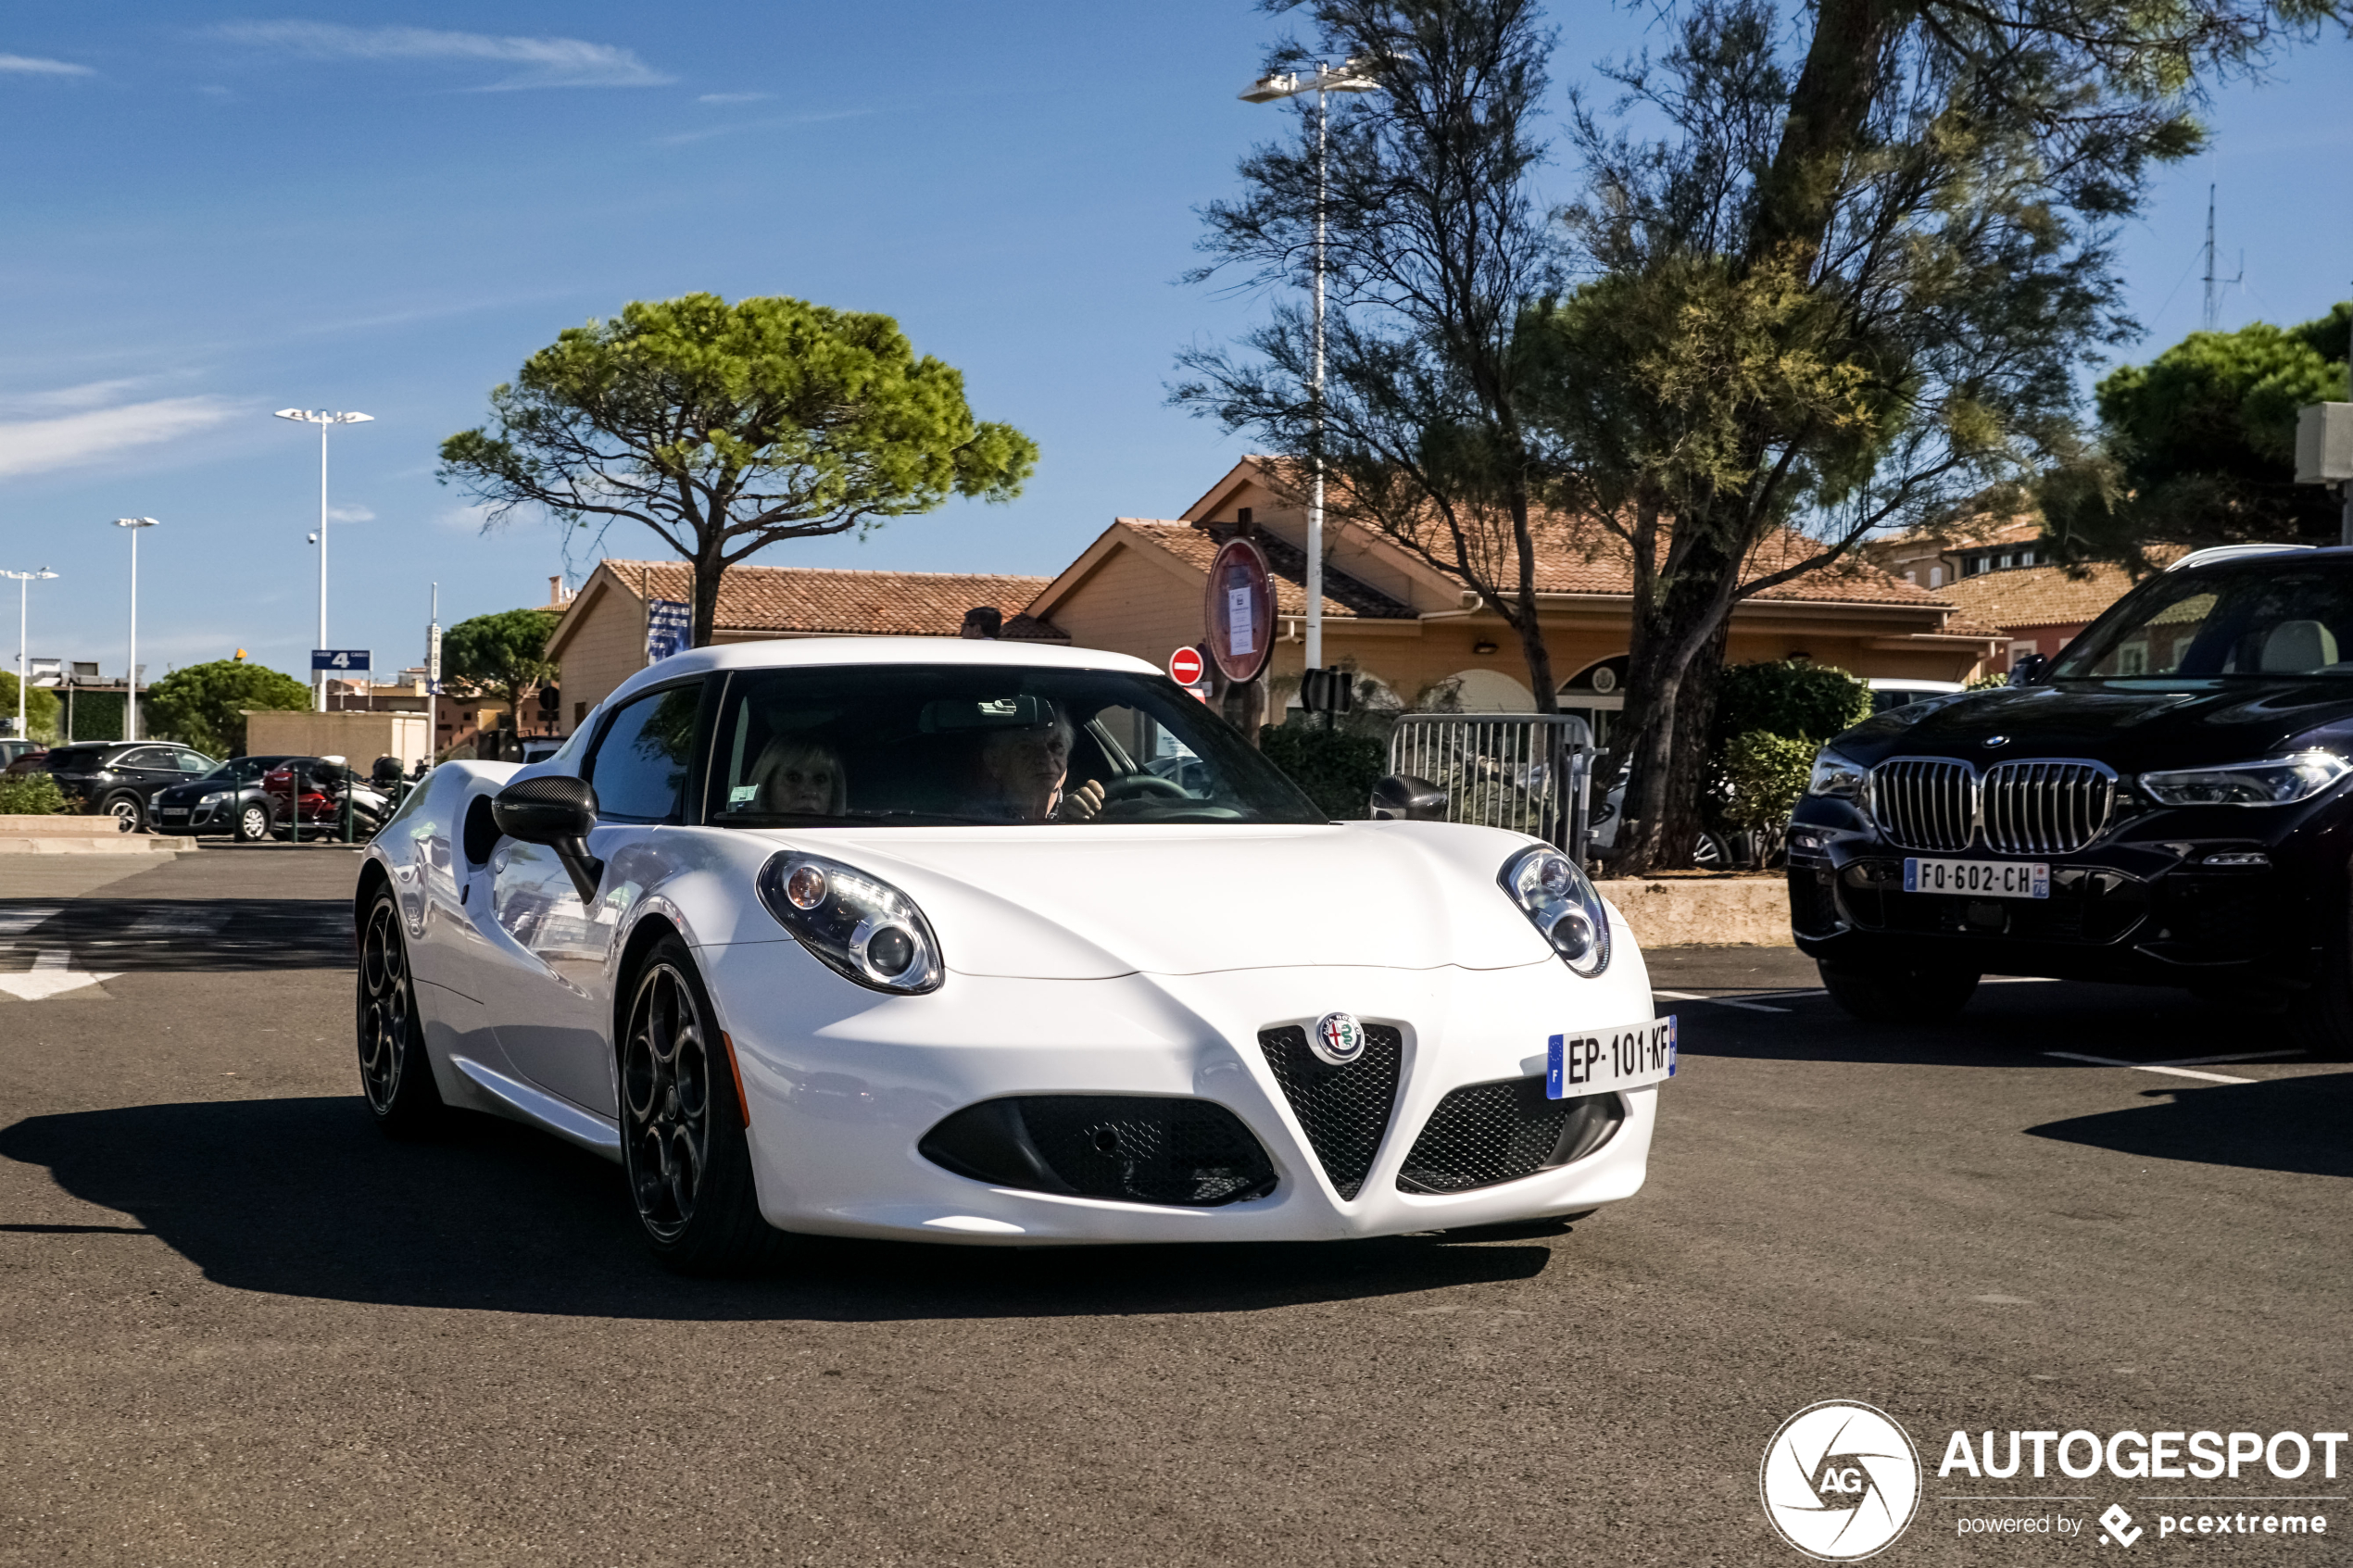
x,y
1924,803
1188,1153
2046,808
1483,1135
1344,1111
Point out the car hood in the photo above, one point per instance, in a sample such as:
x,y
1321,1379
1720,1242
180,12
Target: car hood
x,y
1089,903
2129,725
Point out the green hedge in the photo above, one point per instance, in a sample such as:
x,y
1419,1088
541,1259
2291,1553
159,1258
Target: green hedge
x,y
1338,769
31,795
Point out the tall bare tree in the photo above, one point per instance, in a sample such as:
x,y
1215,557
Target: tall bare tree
x,y
1435,249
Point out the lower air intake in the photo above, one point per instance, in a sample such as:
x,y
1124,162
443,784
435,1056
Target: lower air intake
x,y
1184,1153
1344,1111
1485,1134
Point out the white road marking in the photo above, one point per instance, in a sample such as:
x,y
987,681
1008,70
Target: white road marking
x,y
2242,1056
52,974
1719,1001
2149,1067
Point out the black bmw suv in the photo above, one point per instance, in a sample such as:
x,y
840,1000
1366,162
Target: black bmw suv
x,y
2165,803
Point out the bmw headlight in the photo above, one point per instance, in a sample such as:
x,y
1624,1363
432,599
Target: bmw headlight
x,y
861,927
1561,905
1836,777
2279,782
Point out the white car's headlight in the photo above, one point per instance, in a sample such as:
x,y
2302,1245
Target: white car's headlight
x,y
1835,775
1561,905
861,926
2281,781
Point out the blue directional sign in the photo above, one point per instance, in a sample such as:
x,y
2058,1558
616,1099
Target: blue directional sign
x,y
669,624
339,660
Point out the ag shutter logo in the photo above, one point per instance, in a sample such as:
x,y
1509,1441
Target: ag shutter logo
x,y
1839,1481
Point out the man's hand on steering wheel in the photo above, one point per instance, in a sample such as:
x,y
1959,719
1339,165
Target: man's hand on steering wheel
x,y
1081,805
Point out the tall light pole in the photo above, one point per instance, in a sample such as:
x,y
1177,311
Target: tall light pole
x,y
1342,77
25,579
322,419
130,677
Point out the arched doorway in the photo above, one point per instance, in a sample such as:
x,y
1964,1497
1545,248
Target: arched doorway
x,y
1490,691
1597,695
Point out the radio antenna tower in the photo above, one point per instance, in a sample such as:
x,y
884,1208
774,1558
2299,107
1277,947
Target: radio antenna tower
x,y
2214,284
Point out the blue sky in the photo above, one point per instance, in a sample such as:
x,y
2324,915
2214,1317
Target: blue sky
x,y
216,211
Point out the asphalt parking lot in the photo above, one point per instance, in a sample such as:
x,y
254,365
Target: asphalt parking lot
x,y
243,1328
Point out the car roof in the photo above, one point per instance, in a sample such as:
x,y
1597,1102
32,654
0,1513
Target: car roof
x,y
789,653
1899,683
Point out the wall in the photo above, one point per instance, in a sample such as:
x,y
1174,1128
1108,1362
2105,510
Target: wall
x,y
358,738
1133,604
607,645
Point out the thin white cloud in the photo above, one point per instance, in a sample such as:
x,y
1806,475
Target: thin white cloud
x,y
735,97
37,446
350,514
89,395
28,64
544,62
468,519
685,138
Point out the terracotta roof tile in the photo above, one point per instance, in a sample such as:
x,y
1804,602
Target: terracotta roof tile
x,y
1344,595
2038,596
813,599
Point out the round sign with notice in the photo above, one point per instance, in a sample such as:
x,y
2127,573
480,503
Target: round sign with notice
x,y
1240,610
1185,666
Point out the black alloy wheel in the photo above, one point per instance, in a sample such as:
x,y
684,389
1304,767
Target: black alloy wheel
x,y
394,1073
253,822
129,813
682,1134
1897,995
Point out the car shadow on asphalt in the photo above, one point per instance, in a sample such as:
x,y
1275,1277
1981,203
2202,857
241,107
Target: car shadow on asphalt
x,y
2302,1125
180,937
304,1197
2002,1026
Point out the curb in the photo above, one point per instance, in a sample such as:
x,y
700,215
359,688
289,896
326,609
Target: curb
x,y
1686,911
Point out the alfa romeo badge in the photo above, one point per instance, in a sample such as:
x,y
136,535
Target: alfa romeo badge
x,y
1338,1039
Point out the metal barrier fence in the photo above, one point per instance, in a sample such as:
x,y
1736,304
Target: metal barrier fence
x,y
1531,772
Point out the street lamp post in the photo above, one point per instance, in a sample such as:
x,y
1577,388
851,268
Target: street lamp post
x,y
322,419
1342,77
24,580
131,676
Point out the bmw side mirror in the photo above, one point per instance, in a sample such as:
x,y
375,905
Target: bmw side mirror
x,y
1400,797
560,812
2028,670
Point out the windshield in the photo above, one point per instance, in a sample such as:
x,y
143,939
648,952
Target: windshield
x,y
2254,618
925,744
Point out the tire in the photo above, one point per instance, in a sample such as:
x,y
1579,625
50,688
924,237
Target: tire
x,y
1898,996
128,811
394,1073
1710,854
253,822
682,1126
2320,1019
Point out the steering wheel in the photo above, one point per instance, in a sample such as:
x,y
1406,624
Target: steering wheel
x,y
1145,786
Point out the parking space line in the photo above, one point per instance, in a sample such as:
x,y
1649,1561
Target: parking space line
x,y
2149,1067
1719,1001
2242,1056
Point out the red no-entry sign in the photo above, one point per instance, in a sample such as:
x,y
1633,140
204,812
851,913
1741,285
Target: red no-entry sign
x,y
1185,666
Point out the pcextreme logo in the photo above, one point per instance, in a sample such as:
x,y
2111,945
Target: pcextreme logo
x,y
1839,1481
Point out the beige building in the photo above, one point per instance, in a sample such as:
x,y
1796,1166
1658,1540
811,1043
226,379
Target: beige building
x,y
1996,570
603,639
1139,589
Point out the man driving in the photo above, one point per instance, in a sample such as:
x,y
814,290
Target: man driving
x,y
1025,769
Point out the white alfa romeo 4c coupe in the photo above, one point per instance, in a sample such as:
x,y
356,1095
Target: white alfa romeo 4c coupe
x,y
967,941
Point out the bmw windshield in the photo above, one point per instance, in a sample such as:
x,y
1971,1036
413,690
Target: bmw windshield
x,y
2263,617
933,745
